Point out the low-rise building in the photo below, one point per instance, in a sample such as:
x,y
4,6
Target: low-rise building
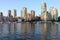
x,y
28,16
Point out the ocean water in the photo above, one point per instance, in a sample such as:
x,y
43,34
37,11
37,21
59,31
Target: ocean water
x,y
30,31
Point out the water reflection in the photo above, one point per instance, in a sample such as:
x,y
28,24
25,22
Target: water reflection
x,y
27,31
30,31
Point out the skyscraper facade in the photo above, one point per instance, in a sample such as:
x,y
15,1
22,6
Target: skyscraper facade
x,y
54,13
23,12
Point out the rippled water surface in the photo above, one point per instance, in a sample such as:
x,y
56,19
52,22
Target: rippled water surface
x,y
30,31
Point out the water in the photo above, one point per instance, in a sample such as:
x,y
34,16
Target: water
x,y
30,31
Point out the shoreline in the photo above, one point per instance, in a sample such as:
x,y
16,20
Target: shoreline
x,y
30,21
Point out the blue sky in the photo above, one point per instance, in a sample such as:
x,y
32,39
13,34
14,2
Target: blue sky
x,y
5,5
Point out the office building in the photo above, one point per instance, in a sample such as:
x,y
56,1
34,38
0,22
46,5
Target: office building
x,y
9,13
15,13
1,17
32,13
1,14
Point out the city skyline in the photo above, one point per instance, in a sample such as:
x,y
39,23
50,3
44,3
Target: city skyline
x,y
29,4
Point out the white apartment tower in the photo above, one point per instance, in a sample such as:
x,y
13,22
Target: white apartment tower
x,y
54,13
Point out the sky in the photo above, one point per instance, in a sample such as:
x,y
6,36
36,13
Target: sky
x,y
6,5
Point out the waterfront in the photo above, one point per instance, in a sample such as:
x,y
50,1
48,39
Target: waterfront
x,y
30,31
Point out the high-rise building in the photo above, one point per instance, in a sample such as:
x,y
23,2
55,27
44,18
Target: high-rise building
x,y
9,13
23,12
32,13
1,14
44,13
15,13
43,7
54,13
